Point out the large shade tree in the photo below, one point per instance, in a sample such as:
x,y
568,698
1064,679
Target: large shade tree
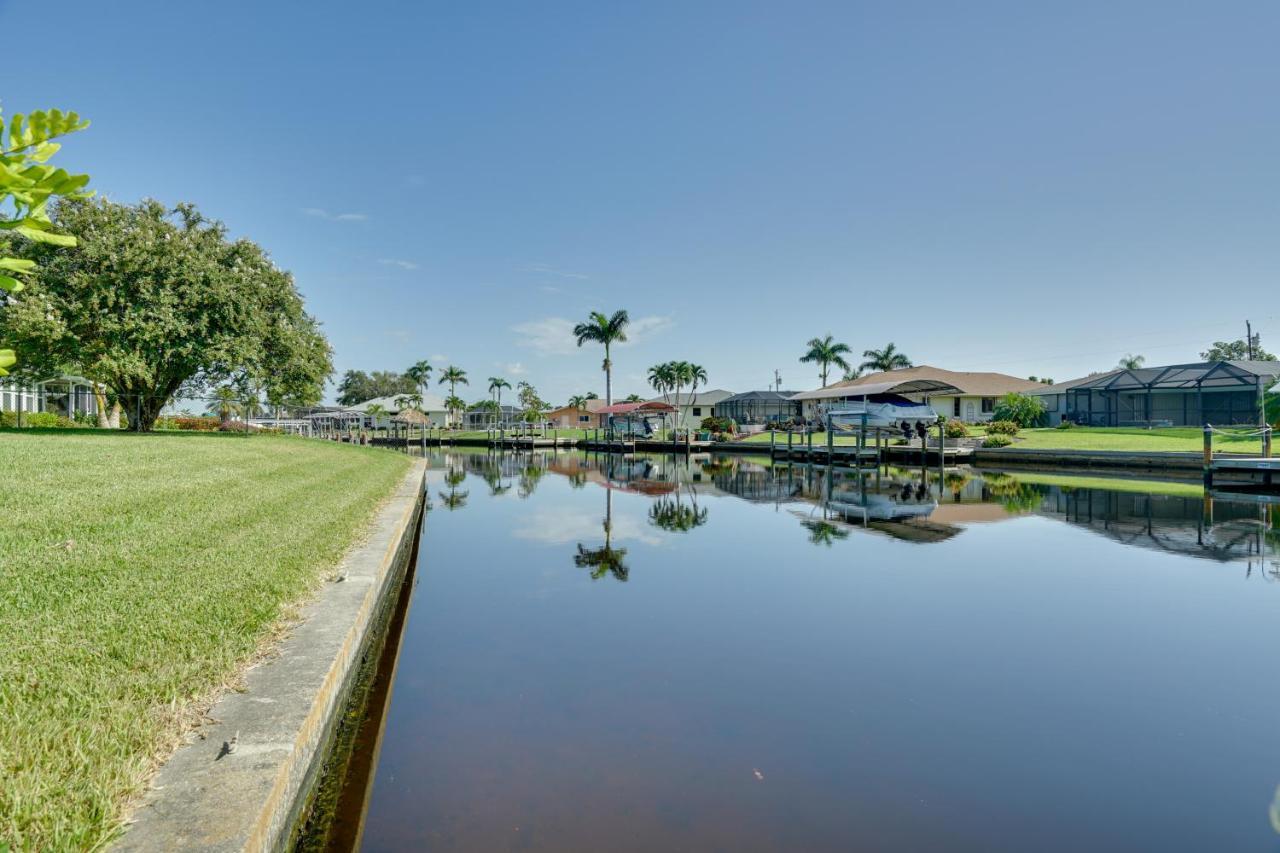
x,y
606,331
158,299
357,387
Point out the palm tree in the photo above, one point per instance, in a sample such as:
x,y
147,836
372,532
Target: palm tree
x,y
420,375
633,398
825,352
455,376
454,405
375,411
852,373
496,384
889,358
697,376
607,331
578,401
226,403
1132,362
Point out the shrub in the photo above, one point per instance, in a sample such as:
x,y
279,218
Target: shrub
x,y
722,425
1026,412
189,423
40,420
997,440
956,429
1067,425
1001,427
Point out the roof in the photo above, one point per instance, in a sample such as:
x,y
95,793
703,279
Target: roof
x,y
1194,375
702,398
930,378
411,416
1061,387
760,395
430,403
590,411
656,407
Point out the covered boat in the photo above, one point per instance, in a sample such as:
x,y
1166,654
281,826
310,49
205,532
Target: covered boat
x,y
883,411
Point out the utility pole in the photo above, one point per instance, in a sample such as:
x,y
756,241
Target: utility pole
x,y
1248,337
777,379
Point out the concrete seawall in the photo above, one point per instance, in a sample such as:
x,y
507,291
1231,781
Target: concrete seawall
x,y
248,798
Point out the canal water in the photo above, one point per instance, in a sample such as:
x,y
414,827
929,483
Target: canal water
x,y
609,654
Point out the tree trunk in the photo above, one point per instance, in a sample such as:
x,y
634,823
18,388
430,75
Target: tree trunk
x,y
113,420
100,401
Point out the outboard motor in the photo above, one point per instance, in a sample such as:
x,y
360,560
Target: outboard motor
x,y
906,429
921,428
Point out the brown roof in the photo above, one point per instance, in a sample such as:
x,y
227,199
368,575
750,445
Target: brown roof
x,y
977,384
410,416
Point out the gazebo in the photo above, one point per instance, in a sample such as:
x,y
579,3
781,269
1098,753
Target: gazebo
x,y
630,418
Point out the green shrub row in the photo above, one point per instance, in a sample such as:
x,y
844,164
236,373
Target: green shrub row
x,y
41,420
997,440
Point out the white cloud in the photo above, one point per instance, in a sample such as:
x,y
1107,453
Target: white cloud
x,y
547,269
397,262
440,358
321,213
643,328
548,288
554,335
552,527
550,336
515,368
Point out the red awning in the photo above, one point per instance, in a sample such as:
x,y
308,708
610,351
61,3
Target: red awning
x,y
656,407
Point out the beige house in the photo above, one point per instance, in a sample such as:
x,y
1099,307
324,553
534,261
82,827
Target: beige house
x,y
572,417
972,402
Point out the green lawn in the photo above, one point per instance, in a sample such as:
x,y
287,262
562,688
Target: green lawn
x,y
139,574
1132,439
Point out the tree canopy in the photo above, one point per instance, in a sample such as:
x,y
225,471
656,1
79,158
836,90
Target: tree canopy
x,y
357,386
27,184
1237,350
156,299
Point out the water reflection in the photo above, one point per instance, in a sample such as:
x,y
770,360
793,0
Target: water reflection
x,y
654,653
923,506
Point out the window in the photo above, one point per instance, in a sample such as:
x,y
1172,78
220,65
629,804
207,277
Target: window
x,y
582,419
697,413
988,405
955,407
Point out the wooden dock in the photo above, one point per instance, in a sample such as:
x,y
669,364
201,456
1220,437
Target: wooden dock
x,y
1265,467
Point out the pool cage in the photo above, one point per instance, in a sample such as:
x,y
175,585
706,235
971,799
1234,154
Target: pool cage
x,y
1215,392
758,407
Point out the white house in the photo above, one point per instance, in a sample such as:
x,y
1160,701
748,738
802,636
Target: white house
x,y
694,407
432,406
63,395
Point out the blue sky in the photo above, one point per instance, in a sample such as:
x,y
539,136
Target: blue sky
x,y
1029,188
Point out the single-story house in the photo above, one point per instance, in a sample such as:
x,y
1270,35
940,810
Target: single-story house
x,y
965,395
573,417
1216,392
694,407
432,406
62,395
758,407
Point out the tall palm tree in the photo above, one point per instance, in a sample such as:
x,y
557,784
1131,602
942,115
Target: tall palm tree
x,y
889,358
697,376
420,375
825,352
455,376
607,331
496,384
1132,362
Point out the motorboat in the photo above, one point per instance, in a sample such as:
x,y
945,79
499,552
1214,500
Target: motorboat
x,y
883,411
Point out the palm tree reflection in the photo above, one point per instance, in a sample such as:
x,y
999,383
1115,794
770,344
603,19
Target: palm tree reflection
x,y
823,532
673,516
605,560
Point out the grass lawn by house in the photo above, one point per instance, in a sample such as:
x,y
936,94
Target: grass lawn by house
x,y
139,574
1189,439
